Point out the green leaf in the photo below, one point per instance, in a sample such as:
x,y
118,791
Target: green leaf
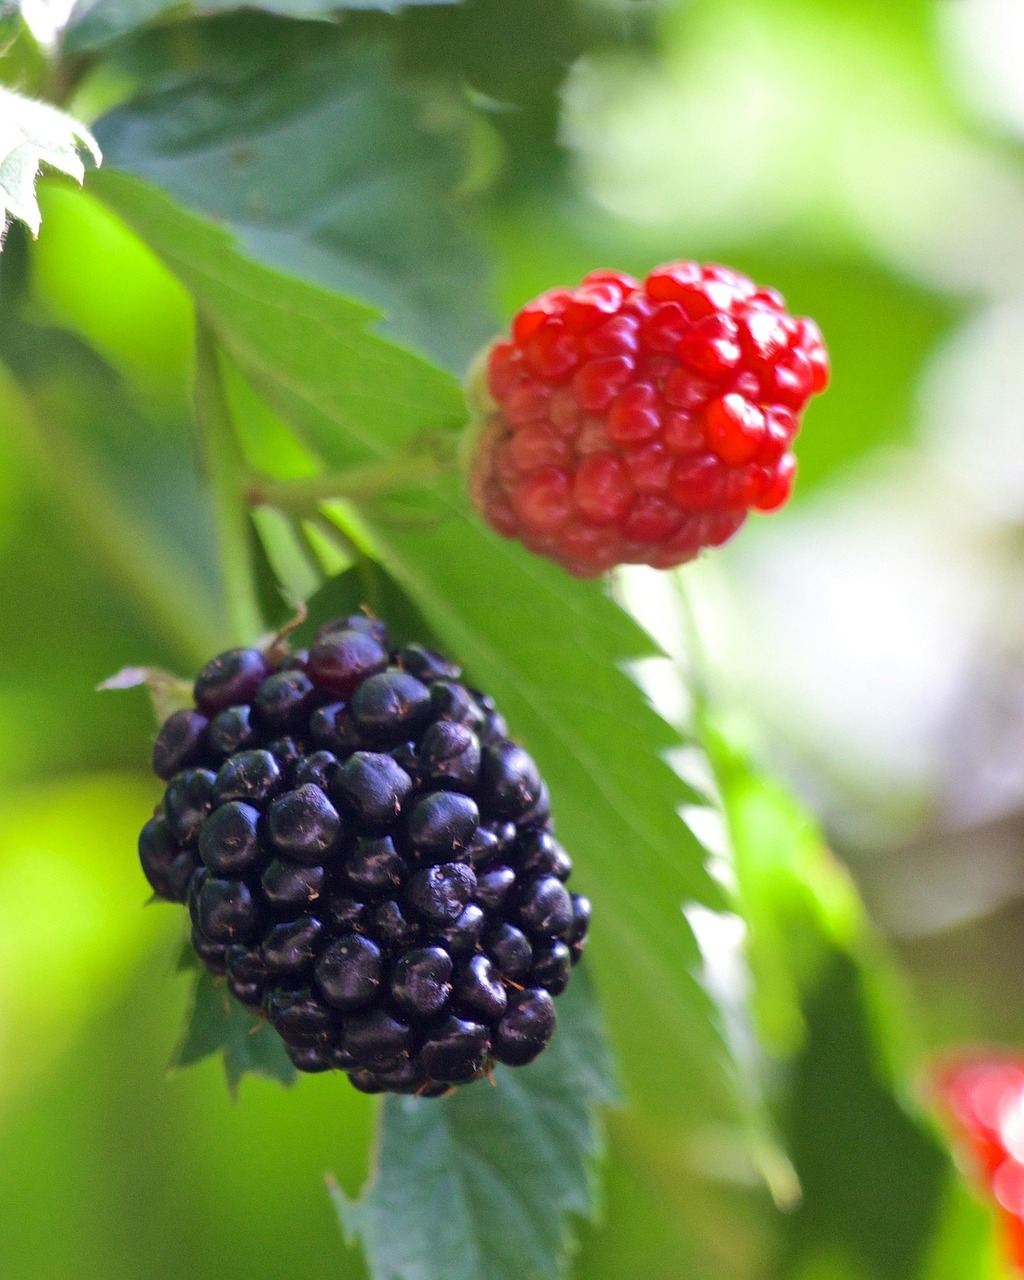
x,y
484,1185
314,152
311,354
33,134
556,671
95,23
219,1024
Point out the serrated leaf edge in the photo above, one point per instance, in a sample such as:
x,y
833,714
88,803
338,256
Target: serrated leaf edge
x,y
22,159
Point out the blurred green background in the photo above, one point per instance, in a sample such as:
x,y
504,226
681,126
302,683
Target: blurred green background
x,y
866,159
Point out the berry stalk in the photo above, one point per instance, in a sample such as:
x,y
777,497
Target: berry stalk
x,y
225,469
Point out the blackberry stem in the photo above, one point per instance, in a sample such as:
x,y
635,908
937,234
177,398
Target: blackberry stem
x,y
425,462
226,470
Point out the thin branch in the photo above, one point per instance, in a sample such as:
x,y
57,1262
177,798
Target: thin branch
x,y
225,470
303,497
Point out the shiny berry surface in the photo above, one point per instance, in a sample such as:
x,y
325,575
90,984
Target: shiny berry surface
x,y
637,422
368,861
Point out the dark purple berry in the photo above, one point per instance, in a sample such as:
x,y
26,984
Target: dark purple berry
x,y
552,962
290,947
509,782
370,860
391,706
333,728
295,661
230,730
299,1017
440,893
179,743
545,908
364,622
226,911
180,875
440,826
157,851
213,954
249,775
389,923
287,752
249,992
367,1081
404,755
304,825
282,700
377,1039
421,983
246,963
483,848
463,936
229,839
342,659
198,879
507,836
290,886
493,886
188,799
453,702
425,664
580,917
449,755
230,678
405,1078
348,974
479,990
510,950
580,926
371,786
310,1057
456,1051
317,768
343,913
538,816
494,729
375,867
539,854
526,1029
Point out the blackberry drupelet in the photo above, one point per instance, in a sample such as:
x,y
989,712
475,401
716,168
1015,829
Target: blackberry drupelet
x,y
368,859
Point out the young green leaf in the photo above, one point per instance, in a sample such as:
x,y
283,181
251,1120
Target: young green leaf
x,y
33,134
219,1024
484,1185
314,153
311,354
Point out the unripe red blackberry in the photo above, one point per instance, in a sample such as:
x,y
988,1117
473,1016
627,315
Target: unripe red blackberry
x,y
368,859
635,423
982,1093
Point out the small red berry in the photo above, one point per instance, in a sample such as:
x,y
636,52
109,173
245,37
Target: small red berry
x,y
637,422
982,1094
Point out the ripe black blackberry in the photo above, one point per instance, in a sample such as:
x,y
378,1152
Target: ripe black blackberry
x,y
368,859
